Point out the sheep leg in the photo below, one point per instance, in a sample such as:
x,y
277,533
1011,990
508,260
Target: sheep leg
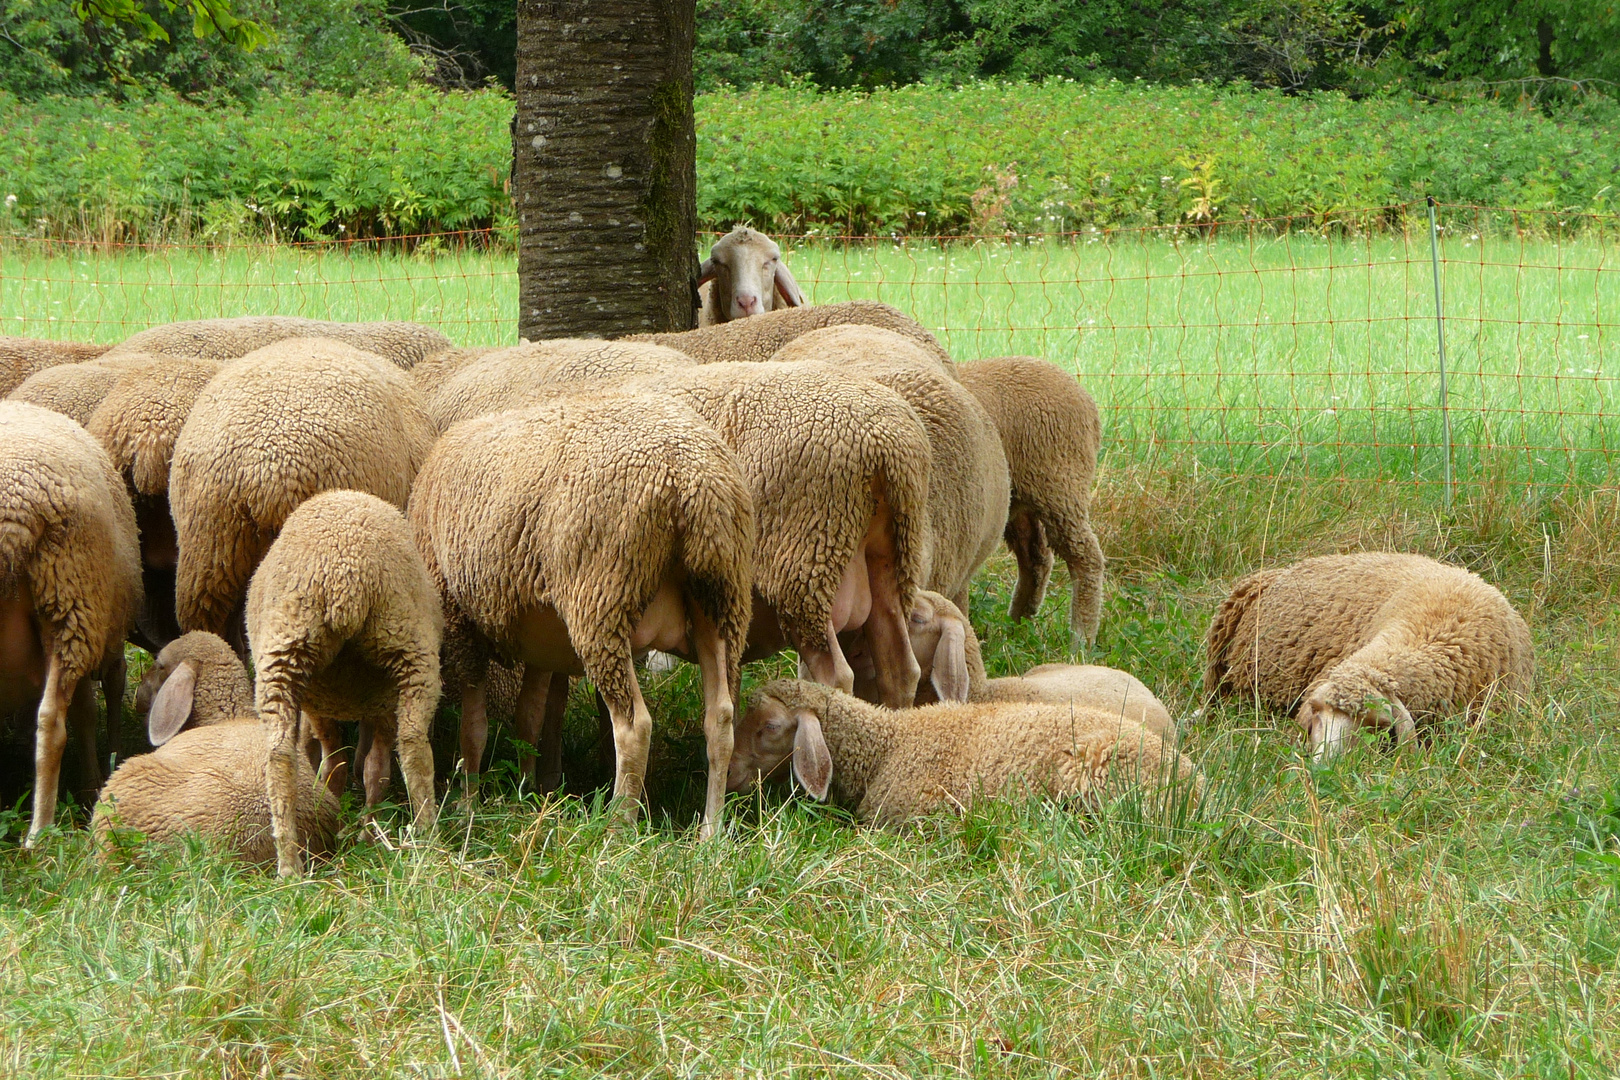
x,y
50,739
333,766
718,714
377,765
112,677
280,718
888,634
81,721
528,715
474,733
826,665
632,741
550,778
418,700
1026,539
1076,544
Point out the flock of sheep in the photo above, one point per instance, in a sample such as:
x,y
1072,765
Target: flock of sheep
x,y
373,516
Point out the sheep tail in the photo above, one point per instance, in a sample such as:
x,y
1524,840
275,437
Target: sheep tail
x,y
1221,646
16,545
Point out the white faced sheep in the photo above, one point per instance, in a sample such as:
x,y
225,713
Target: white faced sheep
x,y
345,624
138,422
967,481
573,535
70,583
270,430
210,781
890,766
20,357
760,336
1051,432
401,343
743,275
1370,640
952,666
195,680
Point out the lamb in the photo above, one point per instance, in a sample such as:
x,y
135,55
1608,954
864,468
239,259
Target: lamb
x,y
402,343
270,430
742,276
21,357
573,534
1370,640
210,781
1051,432
194,681
759,337
138,422
345,623
968,482
892,766
70,583
948,653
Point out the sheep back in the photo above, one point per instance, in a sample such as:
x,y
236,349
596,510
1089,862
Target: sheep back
x,y
758,337
140,417
401,343
21,357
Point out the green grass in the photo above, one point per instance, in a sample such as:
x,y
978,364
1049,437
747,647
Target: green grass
x,y
1450,912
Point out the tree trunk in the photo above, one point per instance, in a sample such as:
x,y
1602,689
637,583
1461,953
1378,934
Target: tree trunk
x,y
605,172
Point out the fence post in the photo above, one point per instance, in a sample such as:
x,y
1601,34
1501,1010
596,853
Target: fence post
x,y
1440,330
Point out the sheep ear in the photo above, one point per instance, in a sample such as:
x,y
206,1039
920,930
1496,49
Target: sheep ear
x,y
812,763
171,705
786,287
706,272
950,675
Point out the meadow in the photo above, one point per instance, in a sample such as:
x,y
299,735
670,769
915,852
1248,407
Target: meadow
x,y
1454,911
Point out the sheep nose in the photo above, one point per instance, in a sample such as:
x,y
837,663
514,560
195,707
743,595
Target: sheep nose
x,y
747,303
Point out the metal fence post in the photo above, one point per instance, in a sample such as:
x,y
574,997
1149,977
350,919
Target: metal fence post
x,y
1440,330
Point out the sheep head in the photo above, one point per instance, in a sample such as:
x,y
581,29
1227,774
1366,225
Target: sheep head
x,y
748,274
770,733
1347,701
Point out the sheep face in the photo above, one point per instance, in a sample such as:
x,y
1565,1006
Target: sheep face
x,y
1330,728
939,639
770,733
748,273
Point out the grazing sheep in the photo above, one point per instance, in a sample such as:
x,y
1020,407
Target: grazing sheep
x,y
345,624
574,534
138,422
759,337
74,390
70,583
196,680
431,373
947,651
1051,432
1367,640
893,765
281,424
967,482
20,357
743,276
210,781
403,344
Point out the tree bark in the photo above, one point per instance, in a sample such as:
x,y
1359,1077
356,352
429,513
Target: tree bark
x,y
604,167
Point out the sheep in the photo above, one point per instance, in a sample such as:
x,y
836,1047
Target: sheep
x,y
138,422
968,487
21,357
344,622
571,535
1051,432
210,781
431,373
952,666
759,337
890,766
742,276
402,343
281,424
194,681
70,583
75,390
1367,640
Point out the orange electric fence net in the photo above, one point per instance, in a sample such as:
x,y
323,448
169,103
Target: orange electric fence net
x,y
1252,348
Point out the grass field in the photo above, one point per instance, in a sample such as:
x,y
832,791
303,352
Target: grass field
x,y
1450,912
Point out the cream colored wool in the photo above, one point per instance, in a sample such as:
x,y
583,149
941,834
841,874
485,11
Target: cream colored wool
x,y
760,336
430,374
20,357
212,687
210,781
75,390
401,343
890,766
345,624
1051,432
270,430
1372,639
70,574
967,482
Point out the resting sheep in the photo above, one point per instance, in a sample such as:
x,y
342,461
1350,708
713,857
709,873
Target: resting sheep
x,y
210,781
574,534
1367,640
20,357
70,583
270,430
890,766
195,680
761,336
401,343
743,276
345,624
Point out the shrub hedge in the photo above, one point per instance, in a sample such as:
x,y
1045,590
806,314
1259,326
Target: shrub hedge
x,y
921,159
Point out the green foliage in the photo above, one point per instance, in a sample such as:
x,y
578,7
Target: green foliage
x,y
207,17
